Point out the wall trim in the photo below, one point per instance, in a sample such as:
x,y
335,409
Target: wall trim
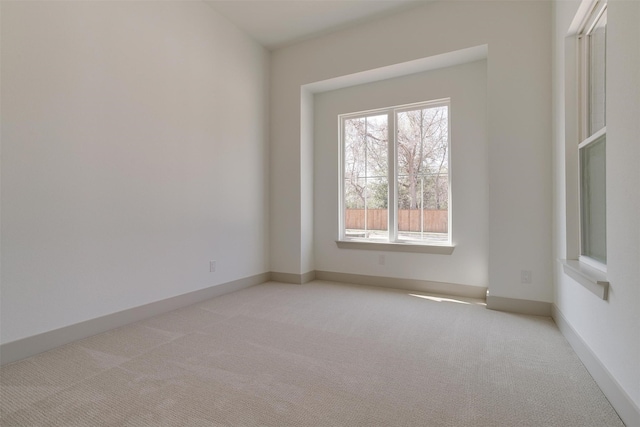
x,y
297,279
520,306
30,346
453,289
396,247
309,276
594,280
626,408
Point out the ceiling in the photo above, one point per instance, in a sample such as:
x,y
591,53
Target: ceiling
x,y
276,23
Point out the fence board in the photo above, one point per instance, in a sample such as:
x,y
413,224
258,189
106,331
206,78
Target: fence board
x,y
435,221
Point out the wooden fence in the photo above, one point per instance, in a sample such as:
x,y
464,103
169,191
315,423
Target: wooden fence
x,y
435,221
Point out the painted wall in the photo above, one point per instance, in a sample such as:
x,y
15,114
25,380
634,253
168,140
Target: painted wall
x,y
610,328
518,125
465,85
134,151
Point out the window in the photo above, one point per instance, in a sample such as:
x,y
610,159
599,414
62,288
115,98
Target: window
x,y
593,132
395,166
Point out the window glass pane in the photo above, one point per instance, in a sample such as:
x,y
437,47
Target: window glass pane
x,y
365,177
423,171
597,75
593,200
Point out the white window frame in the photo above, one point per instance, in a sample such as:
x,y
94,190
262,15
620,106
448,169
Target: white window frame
x,y
394,243
598,9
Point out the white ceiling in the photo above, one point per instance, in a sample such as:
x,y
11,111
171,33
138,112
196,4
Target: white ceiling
x,y
276,23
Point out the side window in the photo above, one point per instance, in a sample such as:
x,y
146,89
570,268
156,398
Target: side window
x,y
593,131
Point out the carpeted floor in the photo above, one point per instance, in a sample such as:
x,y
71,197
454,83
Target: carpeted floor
x,y
320,354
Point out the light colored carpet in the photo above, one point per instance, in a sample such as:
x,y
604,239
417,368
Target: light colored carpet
x,y
320,354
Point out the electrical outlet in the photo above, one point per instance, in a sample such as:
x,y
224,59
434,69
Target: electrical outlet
x,y
212,266
525,277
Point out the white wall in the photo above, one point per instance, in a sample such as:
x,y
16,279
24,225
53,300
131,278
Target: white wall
x,y
519,130
465,85
609,328
133,152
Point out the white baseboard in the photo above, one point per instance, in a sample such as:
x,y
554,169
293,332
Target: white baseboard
x,y
30,346
453,289
297,279
626,408
520,306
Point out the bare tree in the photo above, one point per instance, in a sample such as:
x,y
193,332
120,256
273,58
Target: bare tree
x,y
366,147
422,155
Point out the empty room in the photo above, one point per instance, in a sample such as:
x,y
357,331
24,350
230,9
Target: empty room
x,y
320,213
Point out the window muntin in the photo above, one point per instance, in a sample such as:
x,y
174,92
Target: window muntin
x,y
592,147
395,175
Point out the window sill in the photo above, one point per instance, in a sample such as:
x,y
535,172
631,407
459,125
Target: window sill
x,y
593,279
396,247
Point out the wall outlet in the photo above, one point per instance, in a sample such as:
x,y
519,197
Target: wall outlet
x,y
525,277
381,259
212,266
